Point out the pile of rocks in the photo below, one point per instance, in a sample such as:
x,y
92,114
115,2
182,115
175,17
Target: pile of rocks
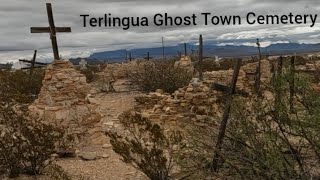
x,y
114,78
197,101
224,78
191,103
64,101
185,63
251,68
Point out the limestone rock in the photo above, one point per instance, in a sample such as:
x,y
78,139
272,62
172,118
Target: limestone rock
x,y
88,156
107,146
64,101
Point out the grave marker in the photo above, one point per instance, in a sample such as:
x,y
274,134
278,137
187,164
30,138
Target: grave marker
x,y
223,126
258,78
52,30
200,57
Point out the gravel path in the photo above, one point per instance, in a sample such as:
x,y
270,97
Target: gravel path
x,y
108,165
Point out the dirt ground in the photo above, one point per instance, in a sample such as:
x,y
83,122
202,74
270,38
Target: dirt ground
x,y
108,165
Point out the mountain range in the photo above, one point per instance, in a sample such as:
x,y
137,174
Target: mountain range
x,y
209,51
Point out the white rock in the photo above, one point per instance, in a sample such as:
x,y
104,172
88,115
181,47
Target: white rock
x,y
89,156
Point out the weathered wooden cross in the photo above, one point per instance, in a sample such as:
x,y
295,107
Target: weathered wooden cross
x,y
32,63
52,30
148,56
291,83
130,57
223,126
200,57
258,68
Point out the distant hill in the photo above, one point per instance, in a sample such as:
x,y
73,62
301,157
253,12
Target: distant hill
x,y
209,50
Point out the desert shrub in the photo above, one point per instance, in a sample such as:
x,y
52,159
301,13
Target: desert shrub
x,y
145,146
265,137
91,73
209,65
150,76
25,144
56,172
18,86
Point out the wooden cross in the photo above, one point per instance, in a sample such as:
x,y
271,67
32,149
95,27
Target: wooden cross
x,y
223,126
200,57
258,68
226,89
52,30
32,63
148,56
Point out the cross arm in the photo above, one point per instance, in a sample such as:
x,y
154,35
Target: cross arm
x,y
226,89
47,29
28,61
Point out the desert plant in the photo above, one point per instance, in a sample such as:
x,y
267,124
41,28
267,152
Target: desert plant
x,y
26,144
91,73
265,138
144,146
56,172
150,76
18,86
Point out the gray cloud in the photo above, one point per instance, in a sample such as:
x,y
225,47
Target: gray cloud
x,y
17,16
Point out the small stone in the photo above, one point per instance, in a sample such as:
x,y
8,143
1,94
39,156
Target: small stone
x,y
159,91
107,146
54,155
105,155
189,89
88,156
109,123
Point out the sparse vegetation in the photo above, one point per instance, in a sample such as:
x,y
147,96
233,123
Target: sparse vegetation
x,y
18,86
150,76
91,73
26,144
145,146
55,172
264,139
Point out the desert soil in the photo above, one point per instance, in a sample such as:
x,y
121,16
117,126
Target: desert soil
x,y
108,165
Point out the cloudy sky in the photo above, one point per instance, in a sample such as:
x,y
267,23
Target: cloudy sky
x,y
17,16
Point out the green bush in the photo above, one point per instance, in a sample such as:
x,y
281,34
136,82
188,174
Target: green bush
x,y
25,144
18,86
266,138
145,146
150,76
91,73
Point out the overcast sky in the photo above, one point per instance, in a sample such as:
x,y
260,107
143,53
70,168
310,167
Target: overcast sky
x,y
17,16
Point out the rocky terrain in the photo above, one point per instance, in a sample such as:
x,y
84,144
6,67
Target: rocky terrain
x,y
86,111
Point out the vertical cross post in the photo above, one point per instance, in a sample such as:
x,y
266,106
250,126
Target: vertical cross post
x,y
280,64
291,82
200,57
52,30
163,53
130,57
33,62
223,126
126,55
148,56
185,49
258,78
